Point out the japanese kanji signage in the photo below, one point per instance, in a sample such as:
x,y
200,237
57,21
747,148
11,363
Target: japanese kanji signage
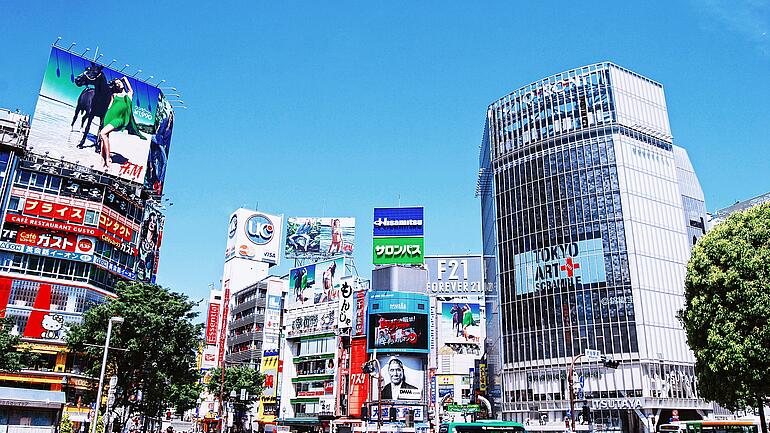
x,y
399,250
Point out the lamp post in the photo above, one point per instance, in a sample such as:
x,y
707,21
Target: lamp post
x,y
112,320
572,392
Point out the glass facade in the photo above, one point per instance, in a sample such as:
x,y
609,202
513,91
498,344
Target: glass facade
x,y
589,211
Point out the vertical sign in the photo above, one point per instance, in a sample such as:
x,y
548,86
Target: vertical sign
x,y
223,331
211,324
346,303
360,319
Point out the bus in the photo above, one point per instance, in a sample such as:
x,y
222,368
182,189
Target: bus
x,y
720,426
482,426
674,427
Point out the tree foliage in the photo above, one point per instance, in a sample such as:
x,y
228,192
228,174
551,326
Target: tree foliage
x,y
158,367
727,309
236,379
15,355
65,426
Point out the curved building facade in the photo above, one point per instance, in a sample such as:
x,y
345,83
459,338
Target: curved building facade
x,y
590,212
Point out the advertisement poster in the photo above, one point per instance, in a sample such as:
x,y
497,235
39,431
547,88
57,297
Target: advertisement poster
x,y
150,235
95,116
460,322
314,236
253,235
403,377
398,331
317,283
48,239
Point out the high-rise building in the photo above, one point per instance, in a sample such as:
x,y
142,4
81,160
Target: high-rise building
x,y
80,213
590,212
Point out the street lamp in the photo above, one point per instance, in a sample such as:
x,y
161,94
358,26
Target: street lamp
x,y
112,320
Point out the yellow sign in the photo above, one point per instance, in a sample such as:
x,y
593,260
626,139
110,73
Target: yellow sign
x,y
482,377
445,380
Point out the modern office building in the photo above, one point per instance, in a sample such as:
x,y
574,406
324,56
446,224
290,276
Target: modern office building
x,y
590,212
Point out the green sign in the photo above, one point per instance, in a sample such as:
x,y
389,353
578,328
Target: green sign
x,y
399,250
463,408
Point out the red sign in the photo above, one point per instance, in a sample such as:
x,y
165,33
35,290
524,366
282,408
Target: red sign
x,y
311,393
115,227
211,325
359,381
56,241
52,225
223,334
54,210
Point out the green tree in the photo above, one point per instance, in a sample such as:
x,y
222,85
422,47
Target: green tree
x,y
727,293
155,348
15,355
237,378
65,426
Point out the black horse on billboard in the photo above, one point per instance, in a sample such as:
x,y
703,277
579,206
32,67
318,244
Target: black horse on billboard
x,y
93,101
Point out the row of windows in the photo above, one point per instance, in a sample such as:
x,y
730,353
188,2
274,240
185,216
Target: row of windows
x,y
28,264
317,346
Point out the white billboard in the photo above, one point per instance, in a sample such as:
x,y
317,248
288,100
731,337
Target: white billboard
x,y
255,236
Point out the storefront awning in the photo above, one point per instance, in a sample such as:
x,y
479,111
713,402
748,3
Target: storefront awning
x,y
21,397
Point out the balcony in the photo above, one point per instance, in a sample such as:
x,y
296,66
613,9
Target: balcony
x,y
248,320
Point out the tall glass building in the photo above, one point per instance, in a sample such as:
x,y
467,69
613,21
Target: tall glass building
x,y
589,211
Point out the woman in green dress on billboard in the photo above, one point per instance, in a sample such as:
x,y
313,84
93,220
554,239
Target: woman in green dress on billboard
x,y
119,116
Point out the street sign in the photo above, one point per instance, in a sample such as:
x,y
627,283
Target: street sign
x,y
463,408
593,355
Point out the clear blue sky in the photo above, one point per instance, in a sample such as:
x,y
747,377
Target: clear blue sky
x,y
336,107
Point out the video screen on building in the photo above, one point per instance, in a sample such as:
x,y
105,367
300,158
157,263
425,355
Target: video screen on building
x,y
398,331
95,116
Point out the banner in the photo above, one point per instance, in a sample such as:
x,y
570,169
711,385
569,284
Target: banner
x,y
563,266
149,243
455,275
54,210
313,236
95,116
212,323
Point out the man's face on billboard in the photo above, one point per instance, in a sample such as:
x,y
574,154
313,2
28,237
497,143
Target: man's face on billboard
x,y
396,372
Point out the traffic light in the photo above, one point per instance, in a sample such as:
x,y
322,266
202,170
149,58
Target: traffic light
x,y
611,363
365,413
168,415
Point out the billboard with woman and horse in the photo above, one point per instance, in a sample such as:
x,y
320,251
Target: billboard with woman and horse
x,y
98,117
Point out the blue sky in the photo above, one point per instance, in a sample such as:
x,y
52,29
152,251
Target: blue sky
x,y
310,108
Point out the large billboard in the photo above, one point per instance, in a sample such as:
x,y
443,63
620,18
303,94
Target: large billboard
x,y
403,377
559,267
455,275
398,221
317,283
253,235
398,331
95,116
460,322
314,236
398,250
